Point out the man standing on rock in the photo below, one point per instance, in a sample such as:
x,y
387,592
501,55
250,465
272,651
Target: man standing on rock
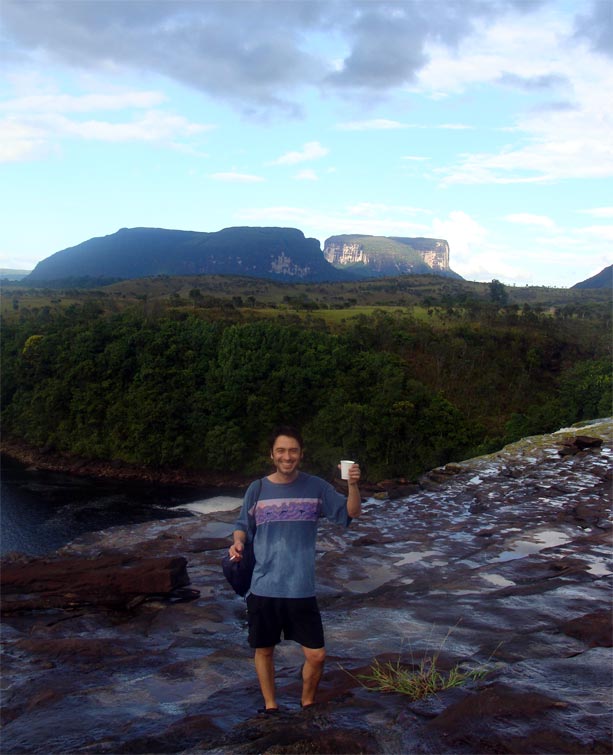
x,y
287,506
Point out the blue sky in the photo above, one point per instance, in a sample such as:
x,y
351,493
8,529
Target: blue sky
x,y
485,122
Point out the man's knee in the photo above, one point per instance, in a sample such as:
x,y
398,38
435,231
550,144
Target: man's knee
x,y
316,656
265,652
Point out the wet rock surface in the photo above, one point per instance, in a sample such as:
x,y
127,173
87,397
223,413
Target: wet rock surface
x,y
502,563
111,580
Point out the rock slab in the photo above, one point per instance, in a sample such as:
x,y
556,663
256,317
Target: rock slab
x,y
502,564
113,580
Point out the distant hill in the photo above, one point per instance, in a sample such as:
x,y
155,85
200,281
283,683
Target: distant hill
x,y
364,256
278,253
604,279
282,254
13,275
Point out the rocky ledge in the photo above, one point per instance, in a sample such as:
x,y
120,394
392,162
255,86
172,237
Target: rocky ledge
x,y
500,564
51,460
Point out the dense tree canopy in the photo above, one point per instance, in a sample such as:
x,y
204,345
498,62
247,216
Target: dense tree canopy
x,y
401,395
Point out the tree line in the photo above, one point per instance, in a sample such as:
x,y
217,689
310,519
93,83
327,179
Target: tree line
x,y
180,389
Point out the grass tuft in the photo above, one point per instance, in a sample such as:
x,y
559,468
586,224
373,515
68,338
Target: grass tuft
x,y
417,683
420,679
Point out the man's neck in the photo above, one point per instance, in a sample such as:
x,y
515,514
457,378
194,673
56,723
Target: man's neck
x,y
281,479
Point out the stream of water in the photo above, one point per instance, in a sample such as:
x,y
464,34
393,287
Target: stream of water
x,y
42,511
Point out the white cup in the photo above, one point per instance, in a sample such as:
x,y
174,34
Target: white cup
x,y
345,464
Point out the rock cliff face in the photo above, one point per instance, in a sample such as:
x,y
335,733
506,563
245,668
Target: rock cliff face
x,y
345,253
376,256
277,253
283,266
434,252
501,563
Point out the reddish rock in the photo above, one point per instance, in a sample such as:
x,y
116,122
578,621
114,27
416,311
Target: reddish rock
x,y
587,441
109,580
595,629
579,443
82,651
495,701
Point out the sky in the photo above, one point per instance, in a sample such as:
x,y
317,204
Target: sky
x,y
488,123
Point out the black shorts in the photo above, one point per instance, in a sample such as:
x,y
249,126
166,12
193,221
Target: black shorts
x,y
298,618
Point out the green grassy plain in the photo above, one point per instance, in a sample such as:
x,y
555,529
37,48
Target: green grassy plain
x,y
426,297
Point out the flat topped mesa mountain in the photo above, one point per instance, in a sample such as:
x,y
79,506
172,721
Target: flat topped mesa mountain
x,y
374,256
282,254
279,253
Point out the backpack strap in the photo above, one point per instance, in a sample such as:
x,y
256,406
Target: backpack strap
x,y
250,516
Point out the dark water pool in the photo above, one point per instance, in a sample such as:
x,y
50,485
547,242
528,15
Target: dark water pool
x,y
42,511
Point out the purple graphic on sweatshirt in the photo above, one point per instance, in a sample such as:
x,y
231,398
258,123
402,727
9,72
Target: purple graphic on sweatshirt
x,y
287,510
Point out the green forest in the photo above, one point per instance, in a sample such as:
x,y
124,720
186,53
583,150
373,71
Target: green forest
x,y
404,375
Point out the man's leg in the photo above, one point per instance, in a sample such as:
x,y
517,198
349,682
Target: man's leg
x,y
265,669
311,673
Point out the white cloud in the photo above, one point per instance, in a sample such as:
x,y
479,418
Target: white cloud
x,y
309,151
381,226
18,262
477,255
599,212
455,126
233,177
487,55
376,124
374,209
603,233
460,230
308,174
585,153
188,149
31,135
381,124
370,219
473,254
152,127
492,264
19,141
39,117
68,103
255,55
283,215
552,142
525,218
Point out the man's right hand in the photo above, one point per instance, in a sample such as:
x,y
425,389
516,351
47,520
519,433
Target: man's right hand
x,y
236,551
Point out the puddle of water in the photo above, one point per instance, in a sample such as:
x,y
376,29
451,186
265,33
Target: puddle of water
x,y
378,576
216,529
210,505
172,709
600,568
496,579
539,541
413,557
